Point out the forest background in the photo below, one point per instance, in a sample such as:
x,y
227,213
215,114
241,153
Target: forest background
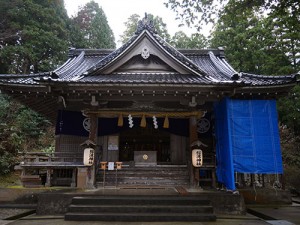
x,y
260,37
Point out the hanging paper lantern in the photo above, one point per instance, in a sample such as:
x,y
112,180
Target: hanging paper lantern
x,y
88,156
197,157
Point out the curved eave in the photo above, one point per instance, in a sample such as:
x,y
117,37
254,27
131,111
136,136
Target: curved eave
x,y
22,79
22,85
142,84
18,76
292,77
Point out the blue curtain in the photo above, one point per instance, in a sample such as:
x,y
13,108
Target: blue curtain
x,y
71,123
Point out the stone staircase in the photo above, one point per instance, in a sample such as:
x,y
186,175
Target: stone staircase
x,y
160,175
141,208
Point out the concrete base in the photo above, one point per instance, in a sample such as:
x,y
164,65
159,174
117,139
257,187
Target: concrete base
x,y
266,196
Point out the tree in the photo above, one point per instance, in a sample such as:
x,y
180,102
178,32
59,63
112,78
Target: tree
x,y
196,41
267,44
289,110
21,130
90,29
132,23
250,43
286,29
199,12
36,37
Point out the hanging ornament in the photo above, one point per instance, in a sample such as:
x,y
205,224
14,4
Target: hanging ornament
x,y
120,120
155,122
166,122
143,121
130,121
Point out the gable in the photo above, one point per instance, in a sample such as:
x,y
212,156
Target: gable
x,y
147,54
146,65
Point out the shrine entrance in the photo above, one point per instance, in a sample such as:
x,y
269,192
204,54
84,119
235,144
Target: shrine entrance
x,y
137,140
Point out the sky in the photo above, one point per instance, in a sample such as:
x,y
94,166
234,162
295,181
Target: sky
x,y
118,12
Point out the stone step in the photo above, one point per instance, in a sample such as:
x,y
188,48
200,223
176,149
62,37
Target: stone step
x,y
146,172
140,200
143,183
141,217
144,179
141,208
144,175
137,208
140,183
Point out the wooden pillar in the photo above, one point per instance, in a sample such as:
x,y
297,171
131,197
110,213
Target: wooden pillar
x,y
74,173
193,138
48,178
91,176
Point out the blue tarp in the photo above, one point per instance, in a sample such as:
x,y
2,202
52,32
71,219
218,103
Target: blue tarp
x,y
225,171
247,138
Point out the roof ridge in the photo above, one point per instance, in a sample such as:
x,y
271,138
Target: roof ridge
x,y
222,67
145,24
71,64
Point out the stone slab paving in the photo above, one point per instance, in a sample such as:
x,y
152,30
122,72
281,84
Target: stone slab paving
x,y
55,220
284,215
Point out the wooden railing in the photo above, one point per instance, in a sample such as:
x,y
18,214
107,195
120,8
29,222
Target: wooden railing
x,y
40,158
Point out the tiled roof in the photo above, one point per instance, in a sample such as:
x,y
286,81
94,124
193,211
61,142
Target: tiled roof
x,y
217,69
209,66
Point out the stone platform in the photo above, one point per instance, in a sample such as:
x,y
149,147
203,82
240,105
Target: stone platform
x,y
222,202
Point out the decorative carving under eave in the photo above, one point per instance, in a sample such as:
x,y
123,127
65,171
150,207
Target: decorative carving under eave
x,y
145,52
145,23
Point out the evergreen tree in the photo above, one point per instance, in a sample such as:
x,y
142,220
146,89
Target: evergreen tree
x,y
249,41
35,37
90,29
181,41
199,12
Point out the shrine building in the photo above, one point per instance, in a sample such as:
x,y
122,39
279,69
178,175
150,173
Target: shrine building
x,y
156,115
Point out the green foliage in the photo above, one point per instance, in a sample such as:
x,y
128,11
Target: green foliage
x,y
21,130
195,12
289,110
131,27
290,143
90,29
267,44
250,43
199,12
181,41
7,162
286,30
36,37
262,45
